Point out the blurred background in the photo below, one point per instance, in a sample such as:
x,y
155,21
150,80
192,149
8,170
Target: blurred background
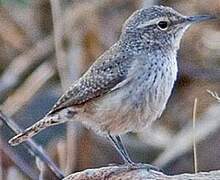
x,y
33,76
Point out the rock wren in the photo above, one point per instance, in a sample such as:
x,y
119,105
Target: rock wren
x,y
128,86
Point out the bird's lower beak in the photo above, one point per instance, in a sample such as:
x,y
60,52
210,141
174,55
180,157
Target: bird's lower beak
x,y
199,18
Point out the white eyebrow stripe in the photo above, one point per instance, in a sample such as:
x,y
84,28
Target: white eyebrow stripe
x,y
153,21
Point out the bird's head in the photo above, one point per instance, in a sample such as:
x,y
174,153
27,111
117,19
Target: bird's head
x,y
159,25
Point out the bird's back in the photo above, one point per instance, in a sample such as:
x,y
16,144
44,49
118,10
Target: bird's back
x,y
108,71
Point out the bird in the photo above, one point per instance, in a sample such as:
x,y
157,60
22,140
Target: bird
x,y
128,86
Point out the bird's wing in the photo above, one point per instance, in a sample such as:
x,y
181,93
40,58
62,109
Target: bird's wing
x,y
106,74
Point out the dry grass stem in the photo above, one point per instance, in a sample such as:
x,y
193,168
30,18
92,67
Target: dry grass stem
x,y
58,39
64,73
41,167
62,155
214,94
182,142
194,136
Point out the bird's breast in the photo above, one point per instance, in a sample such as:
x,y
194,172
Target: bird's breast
x,y
149,91
137,103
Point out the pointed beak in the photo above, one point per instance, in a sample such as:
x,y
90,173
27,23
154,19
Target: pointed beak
x,y
199,18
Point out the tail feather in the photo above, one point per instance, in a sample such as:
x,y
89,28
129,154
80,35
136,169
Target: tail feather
x,y
35,129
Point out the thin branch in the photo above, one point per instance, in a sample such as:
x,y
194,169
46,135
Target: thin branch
x,y
19,162
33,147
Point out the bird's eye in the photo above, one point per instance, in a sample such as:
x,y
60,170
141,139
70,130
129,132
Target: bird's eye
x,y
163,25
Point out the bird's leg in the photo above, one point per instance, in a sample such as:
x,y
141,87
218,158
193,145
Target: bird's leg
x,y
116,145
120,148
121,145
116,140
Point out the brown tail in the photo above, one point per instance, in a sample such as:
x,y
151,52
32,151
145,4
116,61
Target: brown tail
x,y
35,129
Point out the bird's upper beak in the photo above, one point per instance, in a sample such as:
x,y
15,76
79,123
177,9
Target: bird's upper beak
x,y
199,18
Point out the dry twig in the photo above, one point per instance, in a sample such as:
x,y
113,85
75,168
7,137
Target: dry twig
x,y
33,147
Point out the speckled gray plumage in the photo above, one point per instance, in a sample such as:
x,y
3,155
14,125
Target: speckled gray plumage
x,y
109,70
129,85
112,67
